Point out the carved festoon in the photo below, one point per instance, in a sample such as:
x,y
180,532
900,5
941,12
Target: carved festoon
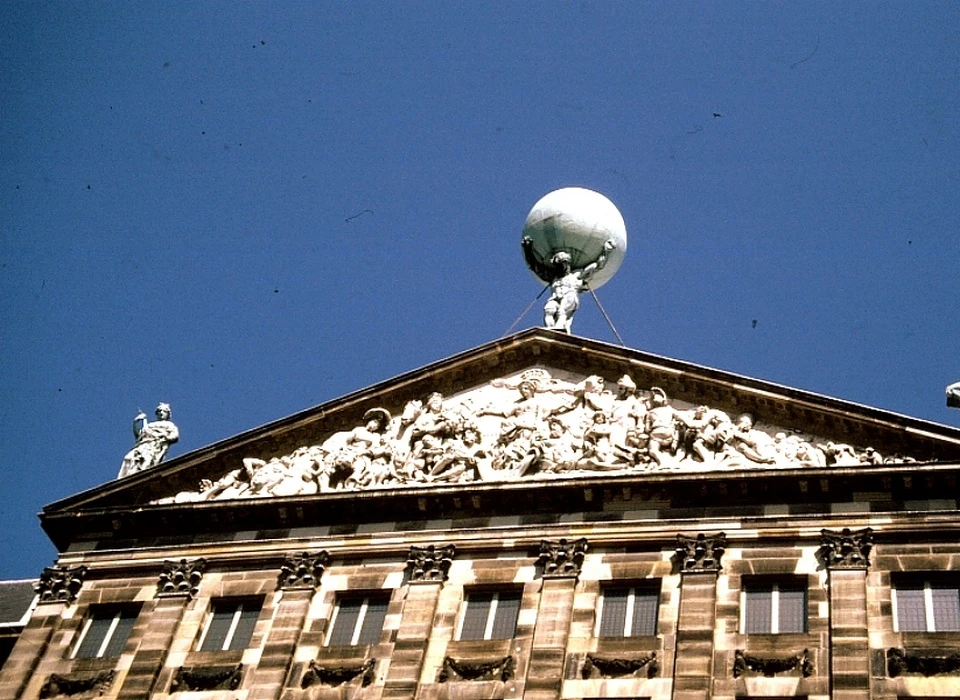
x,y
845,549
500,669
430,564
76,683
338,675
529,426
302,570
900,662
60,584
700,553
770,666
181,577
613,667
561,558
205,678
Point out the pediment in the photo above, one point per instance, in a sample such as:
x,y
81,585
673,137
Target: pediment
x,y
537,406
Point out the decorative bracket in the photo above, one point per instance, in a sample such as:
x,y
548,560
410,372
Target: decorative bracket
x,y
74,684
181,577
899,662
430,564
613,667
497,669
562,559
845,549
302,570
338,675
701,553
60,584
769,666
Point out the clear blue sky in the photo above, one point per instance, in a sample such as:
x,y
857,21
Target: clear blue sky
x,y
247,209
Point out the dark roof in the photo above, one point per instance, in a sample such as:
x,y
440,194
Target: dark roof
x,y
15,600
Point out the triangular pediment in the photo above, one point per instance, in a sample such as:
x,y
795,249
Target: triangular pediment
x,y
535,407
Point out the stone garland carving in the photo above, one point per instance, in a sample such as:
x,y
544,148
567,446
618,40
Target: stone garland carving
x,y
60,584
497,669
770,666
74,684
613,667
338,675
700,553
430,564
302,570
845,549
561,559
533,426
181,577
203,678
899,662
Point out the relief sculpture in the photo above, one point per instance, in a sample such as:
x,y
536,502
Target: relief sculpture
x,y
530,426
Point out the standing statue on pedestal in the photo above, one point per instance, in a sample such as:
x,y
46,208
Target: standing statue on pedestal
x,y
153,441
573,240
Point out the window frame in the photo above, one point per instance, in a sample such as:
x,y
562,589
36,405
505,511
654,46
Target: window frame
x,y
761,583
240,605
633,589
115,613
491,621
927,583
365,598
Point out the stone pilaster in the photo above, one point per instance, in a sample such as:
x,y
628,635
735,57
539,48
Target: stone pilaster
x,y
698,559
559,563
29,649
846,556
288,624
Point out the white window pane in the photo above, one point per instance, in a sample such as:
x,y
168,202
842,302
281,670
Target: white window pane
x,y
244,629
96,633
911,610
121,633
946,606
793,609
348,613
505,620
646,605
220,623
373,621
614,612
475,616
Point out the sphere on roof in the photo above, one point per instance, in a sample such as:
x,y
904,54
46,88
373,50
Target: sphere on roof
x,y
577,221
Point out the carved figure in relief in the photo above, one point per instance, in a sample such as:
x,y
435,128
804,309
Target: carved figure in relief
x,y
752,444
433,420
566,284
709,440
628,410
464,459
598,451
556,449
588,395
366,452
661,426
840,454
153,441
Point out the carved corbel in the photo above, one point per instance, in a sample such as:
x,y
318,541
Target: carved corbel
x,y
430,564
613,667
562,559
497,669
60,584
845,549
701,553
302,570
181,577
338,675
769,666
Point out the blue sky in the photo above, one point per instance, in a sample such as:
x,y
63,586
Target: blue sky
x,y
247,209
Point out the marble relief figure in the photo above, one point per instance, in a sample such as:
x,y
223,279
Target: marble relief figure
x,y
529,426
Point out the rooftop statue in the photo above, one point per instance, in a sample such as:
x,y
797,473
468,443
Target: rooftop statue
x,y
953,395
153,441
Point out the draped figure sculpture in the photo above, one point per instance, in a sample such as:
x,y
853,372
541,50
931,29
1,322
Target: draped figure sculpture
x,y
153,441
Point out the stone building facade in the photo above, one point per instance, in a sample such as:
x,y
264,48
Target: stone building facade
x,y
612,527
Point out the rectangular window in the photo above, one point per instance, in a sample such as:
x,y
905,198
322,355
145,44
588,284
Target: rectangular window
x,y
105,633
926,605
358,620
773,607
229,625
628,612
489,615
